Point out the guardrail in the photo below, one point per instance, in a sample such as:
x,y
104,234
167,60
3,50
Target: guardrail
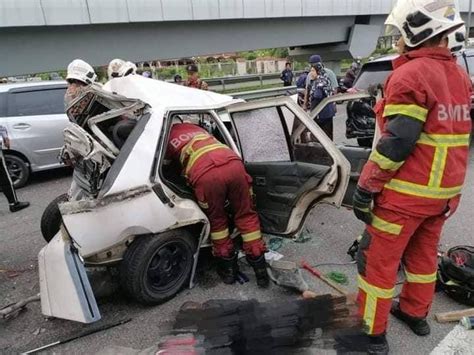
x,y
225,82
265,93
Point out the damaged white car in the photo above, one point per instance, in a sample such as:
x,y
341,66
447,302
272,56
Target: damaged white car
x,y
129,210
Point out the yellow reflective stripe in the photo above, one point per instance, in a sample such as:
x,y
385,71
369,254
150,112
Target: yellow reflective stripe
x,y
220,235
386,226
410,188
421,278
188,148
200,152
378,292
384,162
414,111
444,140
437,168
248,237
373,293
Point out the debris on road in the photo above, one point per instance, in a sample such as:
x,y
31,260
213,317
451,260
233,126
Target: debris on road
x,y
79,335
455,316
323,278
338,277
11,310
287,274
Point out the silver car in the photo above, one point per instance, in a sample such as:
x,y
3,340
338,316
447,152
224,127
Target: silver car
x,y
34,116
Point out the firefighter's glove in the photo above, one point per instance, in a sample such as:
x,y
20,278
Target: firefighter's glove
x,y
362,203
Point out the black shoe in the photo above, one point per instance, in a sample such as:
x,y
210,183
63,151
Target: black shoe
x,y
357,341
17,206
227,268
419,326
259,265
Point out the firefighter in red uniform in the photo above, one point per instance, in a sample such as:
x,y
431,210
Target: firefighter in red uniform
x,y
217,174
413,179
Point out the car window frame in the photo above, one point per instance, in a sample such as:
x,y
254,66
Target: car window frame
x,y
12,110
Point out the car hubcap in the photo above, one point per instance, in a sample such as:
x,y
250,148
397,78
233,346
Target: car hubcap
x,y
167,266
14,170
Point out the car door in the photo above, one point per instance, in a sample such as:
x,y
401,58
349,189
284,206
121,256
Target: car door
x,y
356,155
36,120
293,164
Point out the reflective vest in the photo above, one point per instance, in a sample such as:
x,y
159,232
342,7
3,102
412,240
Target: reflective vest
x,y
439,96
197,150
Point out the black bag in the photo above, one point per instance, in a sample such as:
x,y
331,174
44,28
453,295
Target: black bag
x,y
456,274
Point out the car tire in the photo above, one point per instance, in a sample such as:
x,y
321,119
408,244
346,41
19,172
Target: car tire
x,y
18,169
51,219
155,268
365,142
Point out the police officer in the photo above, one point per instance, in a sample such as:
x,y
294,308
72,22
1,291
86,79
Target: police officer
x,y
5,181
413,180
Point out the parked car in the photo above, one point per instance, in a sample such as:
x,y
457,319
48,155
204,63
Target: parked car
x,y
374,73
158,228
34,116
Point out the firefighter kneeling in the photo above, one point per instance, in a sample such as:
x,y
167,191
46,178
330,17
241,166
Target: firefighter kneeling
x,y
218,175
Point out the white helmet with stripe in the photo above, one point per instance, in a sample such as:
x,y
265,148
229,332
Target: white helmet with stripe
x,y
419,20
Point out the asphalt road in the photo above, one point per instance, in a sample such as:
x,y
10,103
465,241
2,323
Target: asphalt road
x,y
332,232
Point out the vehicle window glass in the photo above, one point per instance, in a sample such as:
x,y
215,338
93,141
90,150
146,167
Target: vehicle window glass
x,y
261,135
305,147
39,102
372,76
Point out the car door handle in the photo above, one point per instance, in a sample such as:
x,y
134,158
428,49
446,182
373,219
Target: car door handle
x,y
260,181
21,126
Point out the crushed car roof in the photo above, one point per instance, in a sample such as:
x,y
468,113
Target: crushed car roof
x,y
160,94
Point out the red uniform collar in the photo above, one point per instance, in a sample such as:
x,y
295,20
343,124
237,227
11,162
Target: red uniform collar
x,y
432,52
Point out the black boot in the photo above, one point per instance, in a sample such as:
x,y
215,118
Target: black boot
x,y
227,268
357,341
17,206
419,326
259,265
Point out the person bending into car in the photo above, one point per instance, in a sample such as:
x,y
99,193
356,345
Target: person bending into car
x,y
5,181
216,174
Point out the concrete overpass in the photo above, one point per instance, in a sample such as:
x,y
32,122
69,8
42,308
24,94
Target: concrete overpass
x,y
44,35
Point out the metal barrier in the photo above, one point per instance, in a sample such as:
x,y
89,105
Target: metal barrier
x,y
265,93
261,78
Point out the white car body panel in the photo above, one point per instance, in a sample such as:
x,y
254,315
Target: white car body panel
x,y
133,205
64,286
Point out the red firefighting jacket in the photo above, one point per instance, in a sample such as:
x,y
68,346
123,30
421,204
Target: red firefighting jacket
x,y
197,150
420,162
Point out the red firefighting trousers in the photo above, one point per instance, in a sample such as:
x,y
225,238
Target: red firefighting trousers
x,y
393,237
230,182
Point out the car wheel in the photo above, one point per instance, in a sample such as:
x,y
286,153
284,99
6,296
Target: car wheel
x,y
365,142
18,170
51,219
155,268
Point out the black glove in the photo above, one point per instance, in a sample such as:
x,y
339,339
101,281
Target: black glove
x,y
362,203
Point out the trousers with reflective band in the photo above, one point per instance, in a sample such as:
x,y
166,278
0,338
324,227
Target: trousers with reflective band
x,y
230,183
391,237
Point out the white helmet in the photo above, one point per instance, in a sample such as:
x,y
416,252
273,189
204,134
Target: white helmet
x,y
457,40
118,68
81,71
420,20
